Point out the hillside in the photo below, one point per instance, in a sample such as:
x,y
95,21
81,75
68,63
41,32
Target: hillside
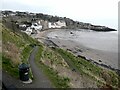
x,y
16,49
62,68
28,17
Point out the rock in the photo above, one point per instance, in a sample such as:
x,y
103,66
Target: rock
x,y
71,32
100,61
79,50
73,70
69,49
81,56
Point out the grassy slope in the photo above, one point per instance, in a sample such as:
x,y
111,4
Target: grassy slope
x,y
21,43
58,81
0,46
24,45
16,49
102,76
0,61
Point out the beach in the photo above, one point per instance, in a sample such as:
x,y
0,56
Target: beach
x,y
92,49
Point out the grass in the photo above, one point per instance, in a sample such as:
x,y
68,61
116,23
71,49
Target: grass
x,y
9,67
19,39
53,57
108,77
0,31
25,44
9,36
58,82
25,56
0,61
22,42
70,59
25,53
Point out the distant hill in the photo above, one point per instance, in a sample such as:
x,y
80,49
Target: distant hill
x,y
70,24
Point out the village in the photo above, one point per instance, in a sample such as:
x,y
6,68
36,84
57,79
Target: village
x,y
32,25
40,25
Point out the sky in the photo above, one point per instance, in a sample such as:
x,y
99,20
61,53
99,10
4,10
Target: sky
x,y
97,12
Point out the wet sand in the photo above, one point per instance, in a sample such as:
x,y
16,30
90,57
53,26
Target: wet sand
x,y
102,57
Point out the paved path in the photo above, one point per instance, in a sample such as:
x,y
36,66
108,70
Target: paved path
x,y
40,80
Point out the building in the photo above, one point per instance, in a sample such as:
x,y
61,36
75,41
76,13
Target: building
x,y
33,29
61,23
51,25
28,30
22,27
58,24
36,26
45,24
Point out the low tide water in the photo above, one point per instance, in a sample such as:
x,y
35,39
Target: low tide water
x,y
105,44
106,41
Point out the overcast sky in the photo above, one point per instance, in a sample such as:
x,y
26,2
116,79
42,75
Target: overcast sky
x,y
99,12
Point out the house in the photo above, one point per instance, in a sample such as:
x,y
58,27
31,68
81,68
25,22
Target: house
x,y
39,22
45,24
61,23
51,25
58,24
28,30
22,27
33,29
36,26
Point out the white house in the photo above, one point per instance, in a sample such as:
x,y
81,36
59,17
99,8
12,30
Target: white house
x,y
51,25
33,28
61,23
22,25
39,22
58,24
36,26
28,30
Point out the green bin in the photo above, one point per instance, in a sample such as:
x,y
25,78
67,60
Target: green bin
x,y
24,72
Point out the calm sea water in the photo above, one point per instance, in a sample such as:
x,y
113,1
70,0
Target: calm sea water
x,y
107,41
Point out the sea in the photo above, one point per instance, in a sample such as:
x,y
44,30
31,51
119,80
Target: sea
x,y
105,42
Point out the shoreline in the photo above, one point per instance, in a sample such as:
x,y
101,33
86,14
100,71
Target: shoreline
x,y
77,49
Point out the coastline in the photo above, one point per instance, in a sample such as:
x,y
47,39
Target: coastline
x,y
99,57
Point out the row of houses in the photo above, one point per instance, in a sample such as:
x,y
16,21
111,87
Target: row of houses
x,y
41,25
32,29
31,24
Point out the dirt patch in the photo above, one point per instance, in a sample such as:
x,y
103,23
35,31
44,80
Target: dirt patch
x,y
11,51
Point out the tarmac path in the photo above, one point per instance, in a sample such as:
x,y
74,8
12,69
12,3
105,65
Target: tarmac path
x,y
39,81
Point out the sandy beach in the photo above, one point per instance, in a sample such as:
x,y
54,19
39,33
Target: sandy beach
x,y
106,58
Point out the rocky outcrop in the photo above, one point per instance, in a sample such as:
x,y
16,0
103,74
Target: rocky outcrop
x,y
80,25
